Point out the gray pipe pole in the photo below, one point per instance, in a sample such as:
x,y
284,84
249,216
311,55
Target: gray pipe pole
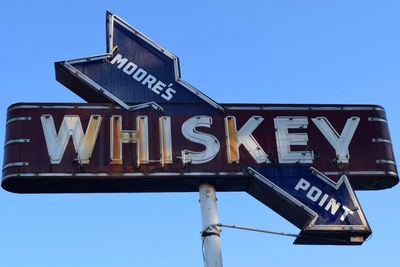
x,y
211,235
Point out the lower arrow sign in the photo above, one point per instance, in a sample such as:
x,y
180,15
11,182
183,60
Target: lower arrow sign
x,y
327,212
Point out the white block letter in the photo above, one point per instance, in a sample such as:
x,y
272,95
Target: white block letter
x,y
70,126
138,137
210,142
339,142
120,61
285,139
164,123
347,211
235,138
302,184
314,193
333,205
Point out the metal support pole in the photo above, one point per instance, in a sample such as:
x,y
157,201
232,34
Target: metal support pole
x,y
211,233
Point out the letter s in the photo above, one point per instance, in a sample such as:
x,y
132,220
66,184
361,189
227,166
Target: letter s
x,y
169,93
209,141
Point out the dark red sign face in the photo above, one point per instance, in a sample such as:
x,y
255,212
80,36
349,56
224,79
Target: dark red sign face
x,y
103,148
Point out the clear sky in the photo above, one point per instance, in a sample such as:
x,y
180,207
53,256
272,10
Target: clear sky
x,y
233,51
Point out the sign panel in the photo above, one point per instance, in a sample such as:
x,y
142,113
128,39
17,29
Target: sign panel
x,y
135,72
330,210
88,147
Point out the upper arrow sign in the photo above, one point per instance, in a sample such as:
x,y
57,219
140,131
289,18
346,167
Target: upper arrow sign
x,y
135,72
327,212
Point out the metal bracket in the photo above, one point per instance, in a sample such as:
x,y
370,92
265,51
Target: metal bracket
x,y
210,230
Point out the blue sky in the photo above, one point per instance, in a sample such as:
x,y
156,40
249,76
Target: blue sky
x,y
242,52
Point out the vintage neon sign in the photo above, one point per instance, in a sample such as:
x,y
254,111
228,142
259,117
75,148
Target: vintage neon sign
x,y
160,134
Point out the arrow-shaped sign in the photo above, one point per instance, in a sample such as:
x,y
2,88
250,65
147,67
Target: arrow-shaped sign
x,y
329,210
134,72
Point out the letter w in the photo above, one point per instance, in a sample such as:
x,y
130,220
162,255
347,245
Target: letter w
x,y
70,126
